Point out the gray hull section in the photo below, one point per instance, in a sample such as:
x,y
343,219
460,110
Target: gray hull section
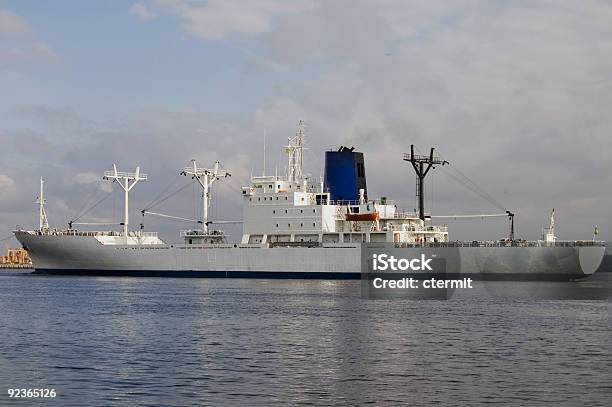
x,y
606,263
86,255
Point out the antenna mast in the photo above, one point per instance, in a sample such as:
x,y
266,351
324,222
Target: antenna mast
x,y
422,164
124,179
295,154
205,177
43,224
263,174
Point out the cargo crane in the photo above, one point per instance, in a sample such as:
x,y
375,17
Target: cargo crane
x,y
422,164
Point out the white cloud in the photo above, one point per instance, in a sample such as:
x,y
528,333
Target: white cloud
x,y
17,47
142,11
7,187
6,182
217,19
86,178
16,55
11,25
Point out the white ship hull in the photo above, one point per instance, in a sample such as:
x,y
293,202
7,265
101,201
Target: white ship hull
x,y
65,254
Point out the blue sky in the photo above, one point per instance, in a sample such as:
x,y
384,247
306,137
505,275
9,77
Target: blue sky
x,y
516,94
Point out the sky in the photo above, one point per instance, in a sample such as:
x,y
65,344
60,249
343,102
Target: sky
x,y
516,95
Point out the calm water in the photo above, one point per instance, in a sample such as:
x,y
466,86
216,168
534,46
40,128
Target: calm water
x,y
137,342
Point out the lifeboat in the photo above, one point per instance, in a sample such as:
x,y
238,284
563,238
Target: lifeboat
x,y
371,216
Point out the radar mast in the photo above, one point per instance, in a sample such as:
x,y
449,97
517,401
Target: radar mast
x,y
295,154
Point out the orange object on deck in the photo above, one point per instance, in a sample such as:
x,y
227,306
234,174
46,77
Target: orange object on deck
x,y
372,216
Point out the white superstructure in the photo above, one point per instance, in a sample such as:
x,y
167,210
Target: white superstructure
x,y
289,209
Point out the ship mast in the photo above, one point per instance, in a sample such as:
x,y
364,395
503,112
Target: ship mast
x,y
548,234
205,177
295,154
43,224
124,179
422,164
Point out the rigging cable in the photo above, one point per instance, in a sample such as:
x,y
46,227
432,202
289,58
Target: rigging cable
x,y
89,199
475,187
472,186
93,206
159,201
163,215
163,191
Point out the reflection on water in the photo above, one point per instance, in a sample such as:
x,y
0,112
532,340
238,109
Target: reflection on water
x,y
125,341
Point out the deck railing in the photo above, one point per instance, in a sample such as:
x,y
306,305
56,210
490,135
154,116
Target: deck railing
x,y
74,232
516,243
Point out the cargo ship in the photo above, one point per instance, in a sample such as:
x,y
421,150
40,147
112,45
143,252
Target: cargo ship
x,y
297,227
